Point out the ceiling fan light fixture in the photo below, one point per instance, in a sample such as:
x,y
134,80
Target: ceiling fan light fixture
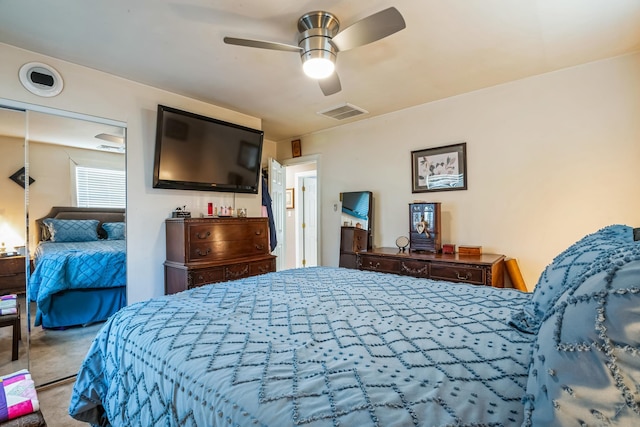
x,y
318,67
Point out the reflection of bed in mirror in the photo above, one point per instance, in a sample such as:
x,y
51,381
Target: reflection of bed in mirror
x,y
79,274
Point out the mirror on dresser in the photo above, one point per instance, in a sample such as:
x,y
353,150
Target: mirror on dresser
x,y
356,222
69,158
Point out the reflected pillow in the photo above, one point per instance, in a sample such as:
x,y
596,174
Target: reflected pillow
x,y
564,269
72,230
585,366
115,230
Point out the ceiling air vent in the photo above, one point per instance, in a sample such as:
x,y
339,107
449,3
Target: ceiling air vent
x,y
343,111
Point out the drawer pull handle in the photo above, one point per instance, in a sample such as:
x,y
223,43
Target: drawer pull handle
x,y
258,232
203,235
203,253
466,276
418,271
259,247
374,267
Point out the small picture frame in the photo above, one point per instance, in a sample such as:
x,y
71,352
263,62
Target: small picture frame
x,y
289,198
296,148
439,169
19,177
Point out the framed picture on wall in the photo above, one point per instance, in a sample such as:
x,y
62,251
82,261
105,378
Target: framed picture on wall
x,y
439,169
296,148
19,177
288,195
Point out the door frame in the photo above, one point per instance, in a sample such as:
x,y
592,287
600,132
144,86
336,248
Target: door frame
x,y
312,158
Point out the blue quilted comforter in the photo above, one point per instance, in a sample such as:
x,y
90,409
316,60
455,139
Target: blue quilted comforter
x,y
311,347
76,265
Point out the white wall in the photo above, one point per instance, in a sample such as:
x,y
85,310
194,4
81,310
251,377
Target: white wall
x,y
550,159
99,94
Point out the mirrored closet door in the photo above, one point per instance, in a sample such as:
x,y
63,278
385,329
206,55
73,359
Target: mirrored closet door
x,y
14,355
74,222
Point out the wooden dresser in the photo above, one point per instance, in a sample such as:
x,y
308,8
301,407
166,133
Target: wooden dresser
x,y
12,275
352,240
209,250
485,269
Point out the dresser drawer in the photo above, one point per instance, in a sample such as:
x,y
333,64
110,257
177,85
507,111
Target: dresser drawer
x,y
204,276
385,265
236,271
12,275
415,268
262,267
222,231
458,273
226,249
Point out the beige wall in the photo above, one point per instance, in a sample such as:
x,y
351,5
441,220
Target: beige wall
x,y
11,194
99,94
550,158
50,166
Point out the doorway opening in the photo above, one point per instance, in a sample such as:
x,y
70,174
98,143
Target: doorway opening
x,y
302,236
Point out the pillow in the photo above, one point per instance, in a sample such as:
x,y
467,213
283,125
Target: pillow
x,y
115,230
72,230
585,368
564,268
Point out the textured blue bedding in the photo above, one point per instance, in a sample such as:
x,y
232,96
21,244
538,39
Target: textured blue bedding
x,y
313,347
62,267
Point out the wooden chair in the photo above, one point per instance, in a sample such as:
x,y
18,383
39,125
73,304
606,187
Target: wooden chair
x,y
13,320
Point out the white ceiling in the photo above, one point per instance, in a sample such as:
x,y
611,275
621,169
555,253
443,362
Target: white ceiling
x,y
448,47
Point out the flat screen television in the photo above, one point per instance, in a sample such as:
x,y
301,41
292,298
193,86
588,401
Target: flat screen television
x,y
195,152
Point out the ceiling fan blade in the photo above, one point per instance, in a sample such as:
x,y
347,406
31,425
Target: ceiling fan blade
x,y
330,85
370,29
260,44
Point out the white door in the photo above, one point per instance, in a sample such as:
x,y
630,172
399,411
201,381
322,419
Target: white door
x,y
307,219
277,183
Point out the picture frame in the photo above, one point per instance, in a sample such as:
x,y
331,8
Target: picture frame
x,y
19,177
439,169
296,148
289,198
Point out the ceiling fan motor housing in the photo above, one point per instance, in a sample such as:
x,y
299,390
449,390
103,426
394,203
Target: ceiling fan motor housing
x,y
316,30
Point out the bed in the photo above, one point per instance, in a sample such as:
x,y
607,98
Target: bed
x,y
328,346
79,274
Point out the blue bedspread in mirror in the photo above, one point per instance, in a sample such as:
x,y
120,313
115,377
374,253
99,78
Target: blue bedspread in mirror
x,y
70,269
314,347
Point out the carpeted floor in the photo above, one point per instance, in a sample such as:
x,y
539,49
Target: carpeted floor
x,y
53,355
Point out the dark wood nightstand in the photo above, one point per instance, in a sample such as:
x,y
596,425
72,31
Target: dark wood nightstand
x,y
12,275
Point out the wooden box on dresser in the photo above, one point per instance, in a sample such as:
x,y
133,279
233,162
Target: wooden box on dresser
x,y
210,250
485,269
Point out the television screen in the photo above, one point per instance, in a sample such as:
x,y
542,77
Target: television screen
x,y
195,152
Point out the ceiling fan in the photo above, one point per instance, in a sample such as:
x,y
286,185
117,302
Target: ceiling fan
x,y
319,41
